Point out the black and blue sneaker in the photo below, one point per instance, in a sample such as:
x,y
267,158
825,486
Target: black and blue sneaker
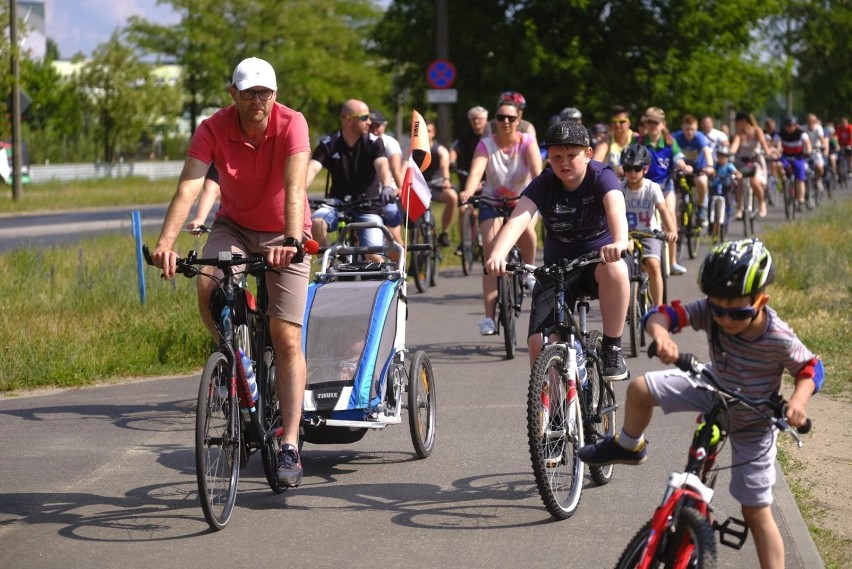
x,y
607,451
289,471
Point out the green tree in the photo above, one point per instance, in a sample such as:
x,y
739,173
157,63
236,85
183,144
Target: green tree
x,y
812,38
125,99
683,55
54,125
318,49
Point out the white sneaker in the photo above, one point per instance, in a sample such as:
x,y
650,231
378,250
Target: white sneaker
x,y
529,281
487,327
678,269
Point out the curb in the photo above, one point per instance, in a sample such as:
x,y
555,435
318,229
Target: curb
x,y
803,544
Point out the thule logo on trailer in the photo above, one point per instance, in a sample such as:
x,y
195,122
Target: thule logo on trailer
x,y
327,395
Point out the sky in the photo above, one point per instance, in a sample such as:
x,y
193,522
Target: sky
x,y
80,25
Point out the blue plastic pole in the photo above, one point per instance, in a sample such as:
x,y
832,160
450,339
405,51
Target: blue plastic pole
x,y
140,264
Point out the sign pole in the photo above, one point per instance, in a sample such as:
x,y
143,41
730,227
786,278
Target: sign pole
x,y
444,134
17,183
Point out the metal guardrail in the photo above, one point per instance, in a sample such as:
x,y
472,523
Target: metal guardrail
x,y
67,172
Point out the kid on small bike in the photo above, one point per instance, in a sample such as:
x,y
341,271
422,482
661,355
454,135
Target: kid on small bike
x,y
750,347
643,199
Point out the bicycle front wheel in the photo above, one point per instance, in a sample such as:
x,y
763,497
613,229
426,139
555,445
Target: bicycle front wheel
x,y
555,432
693,545
421,261
217,442
506,307
468,240
693,232
634,319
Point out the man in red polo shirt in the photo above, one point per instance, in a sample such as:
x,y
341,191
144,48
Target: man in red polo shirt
x,y
261,150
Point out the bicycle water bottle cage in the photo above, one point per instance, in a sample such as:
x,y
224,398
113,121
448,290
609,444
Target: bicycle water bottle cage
x,y
733,537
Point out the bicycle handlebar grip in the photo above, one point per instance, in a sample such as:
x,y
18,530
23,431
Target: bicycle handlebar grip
x,y
806,428
685,361
147,254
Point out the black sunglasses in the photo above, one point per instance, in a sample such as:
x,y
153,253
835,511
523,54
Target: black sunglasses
x,y
633,168
510,118
263,94
740,313
362,118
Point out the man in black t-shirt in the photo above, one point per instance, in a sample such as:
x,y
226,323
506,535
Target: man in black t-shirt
x,y
461,153
358,169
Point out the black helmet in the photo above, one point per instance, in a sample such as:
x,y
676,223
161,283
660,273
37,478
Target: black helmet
x,y
790,120
635,155
736,268
570,114
566,133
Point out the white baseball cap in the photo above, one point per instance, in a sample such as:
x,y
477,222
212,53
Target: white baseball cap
x,y
254,72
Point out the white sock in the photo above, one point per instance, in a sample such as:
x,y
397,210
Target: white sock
x,y
629,442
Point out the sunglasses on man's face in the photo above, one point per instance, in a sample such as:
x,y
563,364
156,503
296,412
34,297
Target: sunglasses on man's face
x,y
362,118
263,94
510,118
633,168
620,121
739,313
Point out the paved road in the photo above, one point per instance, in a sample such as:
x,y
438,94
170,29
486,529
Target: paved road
x,y
104,477
62,228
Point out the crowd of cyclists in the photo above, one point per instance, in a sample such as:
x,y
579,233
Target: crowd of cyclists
x,y
586,186
499,158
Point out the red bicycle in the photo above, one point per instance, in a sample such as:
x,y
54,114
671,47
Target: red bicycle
x,y
680,534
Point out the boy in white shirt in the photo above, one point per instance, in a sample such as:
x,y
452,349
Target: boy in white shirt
x,y
644,200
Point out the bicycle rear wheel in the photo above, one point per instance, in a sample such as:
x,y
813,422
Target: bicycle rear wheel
x,y
270,418
422,405
599,408
555,432
217,442
421,261
506,309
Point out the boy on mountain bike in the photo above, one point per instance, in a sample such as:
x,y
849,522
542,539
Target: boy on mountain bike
x,y
750,347
582,208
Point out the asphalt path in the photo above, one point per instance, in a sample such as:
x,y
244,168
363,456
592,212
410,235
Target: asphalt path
x,y
105,476
62,228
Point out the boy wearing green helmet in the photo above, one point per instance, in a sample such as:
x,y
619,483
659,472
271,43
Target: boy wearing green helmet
x,y
750,347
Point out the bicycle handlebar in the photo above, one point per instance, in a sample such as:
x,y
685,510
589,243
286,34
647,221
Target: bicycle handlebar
x,y
343,204
187,265
564,266
690,364
653,234
503,202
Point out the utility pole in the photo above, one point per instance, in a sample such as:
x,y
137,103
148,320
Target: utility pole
x,y
444,135
17,185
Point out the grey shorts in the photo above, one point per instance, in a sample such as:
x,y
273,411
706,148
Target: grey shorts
x,y
288,289
652,248
752,448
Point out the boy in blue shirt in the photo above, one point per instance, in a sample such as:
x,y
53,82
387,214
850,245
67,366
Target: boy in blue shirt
x,y
698,155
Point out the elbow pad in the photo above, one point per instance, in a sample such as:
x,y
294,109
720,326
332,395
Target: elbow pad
x,y
815,371
675,313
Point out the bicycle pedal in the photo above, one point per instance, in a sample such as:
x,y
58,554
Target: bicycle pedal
x,y
733,537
